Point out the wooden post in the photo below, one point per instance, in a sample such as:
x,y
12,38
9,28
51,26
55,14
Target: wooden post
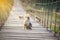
x,y
51,15
47,16
55,20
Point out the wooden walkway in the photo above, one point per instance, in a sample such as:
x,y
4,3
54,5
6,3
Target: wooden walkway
x,y
13,28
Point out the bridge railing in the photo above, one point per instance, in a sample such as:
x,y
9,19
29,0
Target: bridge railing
x,y
50,19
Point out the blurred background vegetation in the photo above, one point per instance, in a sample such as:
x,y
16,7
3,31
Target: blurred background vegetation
x,y
5,8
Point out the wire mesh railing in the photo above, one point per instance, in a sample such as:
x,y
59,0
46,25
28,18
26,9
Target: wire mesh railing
x,y
51,18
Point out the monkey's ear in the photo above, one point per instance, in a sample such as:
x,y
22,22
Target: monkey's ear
x,y
19,17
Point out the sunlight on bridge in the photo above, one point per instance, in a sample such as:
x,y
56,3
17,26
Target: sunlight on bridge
x,y
5,7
